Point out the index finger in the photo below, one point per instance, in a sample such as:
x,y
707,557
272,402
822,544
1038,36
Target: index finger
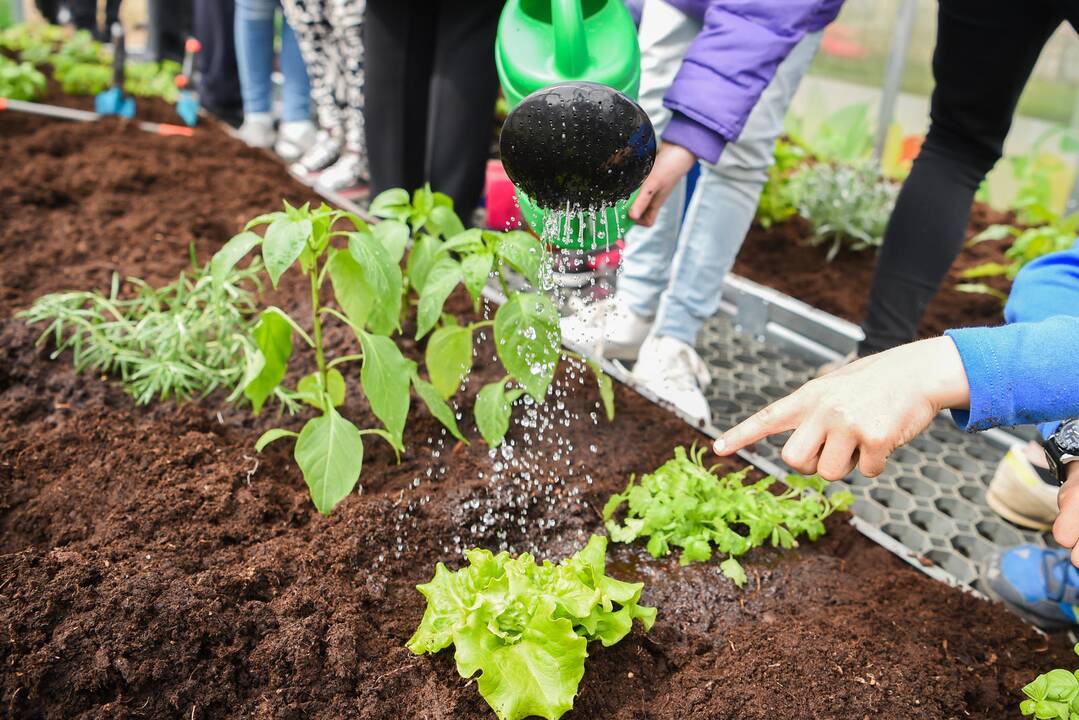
x,y
782,415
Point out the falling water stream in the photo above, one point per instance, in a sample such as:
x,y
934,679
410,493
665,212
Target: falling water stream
x,y
527,476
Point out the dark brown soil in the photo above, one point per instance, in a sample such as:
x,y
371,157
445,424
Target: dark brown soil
x,y
782,258
153,565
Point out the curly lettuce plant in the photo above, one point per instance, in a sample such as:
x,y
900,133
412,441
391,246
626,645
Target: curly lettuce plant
x,y
20,80
525,627
1053,695
686,505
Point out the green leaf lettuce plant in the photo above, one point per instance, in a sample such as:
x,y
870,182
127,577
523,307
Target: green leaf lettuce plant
x,y
686,505
525,626
1053,695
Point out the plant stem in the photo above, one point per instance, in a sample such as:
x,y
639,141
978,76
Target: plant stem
x,y
316,323
502,282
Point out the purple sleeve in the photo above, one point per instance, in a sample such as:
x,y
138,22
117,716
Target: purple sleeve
x,y
729,65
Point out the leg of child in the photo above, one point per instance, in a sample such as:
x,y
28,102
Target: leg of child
x,y
346,21
309,20
296,93
665,34
254,28
464,87
724,204
399,41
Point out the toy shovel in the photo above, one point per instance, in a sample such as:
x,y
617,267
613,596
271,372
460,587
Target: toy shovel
x,y
113,101
187,105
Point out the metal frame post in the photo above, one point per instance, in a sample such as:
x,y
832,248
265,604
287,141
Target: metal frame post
x,y
893,72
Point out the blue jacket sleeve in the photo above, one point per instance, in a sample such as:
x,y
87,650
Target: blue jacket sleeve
x,y
730,63
1028,371
1020,374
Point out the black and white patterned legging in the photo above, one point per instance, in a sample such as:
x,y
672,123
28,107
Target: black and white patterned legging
x,y
330,35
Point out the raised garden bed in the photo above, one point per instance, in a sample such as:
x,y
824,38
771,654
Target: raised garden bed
x,y
154,566
782,258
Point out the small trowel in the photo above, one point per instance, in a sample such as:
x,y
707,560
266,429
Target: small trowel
x,y
187,104
114,101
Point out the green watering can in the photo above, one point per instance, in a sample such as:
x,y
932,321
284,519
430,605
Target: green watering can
x,y
574,138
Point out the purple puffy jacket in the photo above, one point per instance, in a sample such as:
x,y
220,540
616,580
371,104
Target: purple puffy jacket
x,y
730,63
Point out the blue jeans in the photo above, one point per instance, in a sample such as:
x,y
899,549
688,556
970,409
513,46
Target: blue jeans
x,y
674,270
254,57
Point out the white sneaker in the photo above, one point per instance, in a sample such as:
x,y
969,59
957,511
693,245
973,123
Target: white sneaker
x,y
323,153
294,138
349,171
675,372
257,130
606,328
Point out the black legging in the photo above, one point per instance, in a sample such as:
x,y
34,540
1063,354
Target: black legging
x,y
431,86
984,55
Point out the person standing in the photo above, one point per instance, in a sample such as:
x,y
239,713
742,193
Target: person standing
x,y
255,35
330,35
431,90
716,79
985,53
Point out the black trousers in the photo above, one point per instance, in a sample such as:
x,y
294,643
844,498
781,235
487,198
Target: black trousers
x,y
171,22
985,52
219,83
431,86
84,15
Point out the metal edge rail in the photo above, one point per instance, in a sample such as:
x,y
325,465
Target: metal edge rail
x,y
806,331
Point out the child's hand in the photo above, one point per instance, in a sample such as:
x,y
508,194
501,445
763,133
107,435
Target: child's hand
x,y
858,415
672,164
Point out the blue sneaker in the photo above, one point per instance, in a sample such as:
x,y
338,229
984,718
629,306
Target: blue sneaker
x,y
1040,585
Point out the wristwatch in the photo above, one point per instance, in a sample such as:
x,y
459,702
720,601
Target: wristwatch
x,y
1061,448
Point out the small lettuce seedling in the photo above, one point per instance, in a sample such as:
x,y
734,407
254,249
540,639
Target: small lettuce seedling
x,y
687,505
525,627
1053,695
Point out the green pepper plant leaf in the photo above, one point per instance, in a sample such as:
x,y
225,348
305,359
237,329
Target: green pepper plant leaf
x,y
524,627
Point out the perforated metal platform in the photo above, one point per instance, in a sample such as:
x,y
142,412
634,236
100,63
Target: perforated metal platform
x,y
930,498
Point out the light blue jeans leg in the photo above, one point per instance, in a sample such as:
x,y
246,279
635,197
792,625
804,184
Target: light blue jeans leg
x,y
665,35
254,28
723,206
296,94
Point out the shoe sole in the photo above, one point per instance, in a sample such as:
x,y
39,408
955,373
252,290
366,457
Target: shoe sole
x,y
1000,507
1010,495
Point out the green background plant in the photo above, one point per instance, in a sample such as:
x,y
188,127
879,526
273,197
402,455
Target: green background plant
x,y
848,205
20,80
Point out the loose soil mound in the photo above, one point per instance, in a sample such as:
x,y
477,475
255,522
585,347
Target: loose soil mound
x,y
782,258
155,566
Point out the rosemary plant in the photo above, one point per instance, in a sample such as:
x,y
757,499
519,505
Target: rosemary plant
x,y
182,340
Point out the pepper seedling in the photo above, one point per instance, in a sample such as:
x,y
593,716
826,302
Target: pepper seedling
x,y
366,281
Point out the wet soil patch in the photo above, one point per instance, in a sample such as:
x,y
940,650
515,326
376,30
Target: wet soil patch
x,y
153,565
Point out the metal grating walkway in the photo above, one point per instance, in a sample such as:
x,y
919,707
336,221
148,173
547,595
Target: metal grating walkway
x,y
931,496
